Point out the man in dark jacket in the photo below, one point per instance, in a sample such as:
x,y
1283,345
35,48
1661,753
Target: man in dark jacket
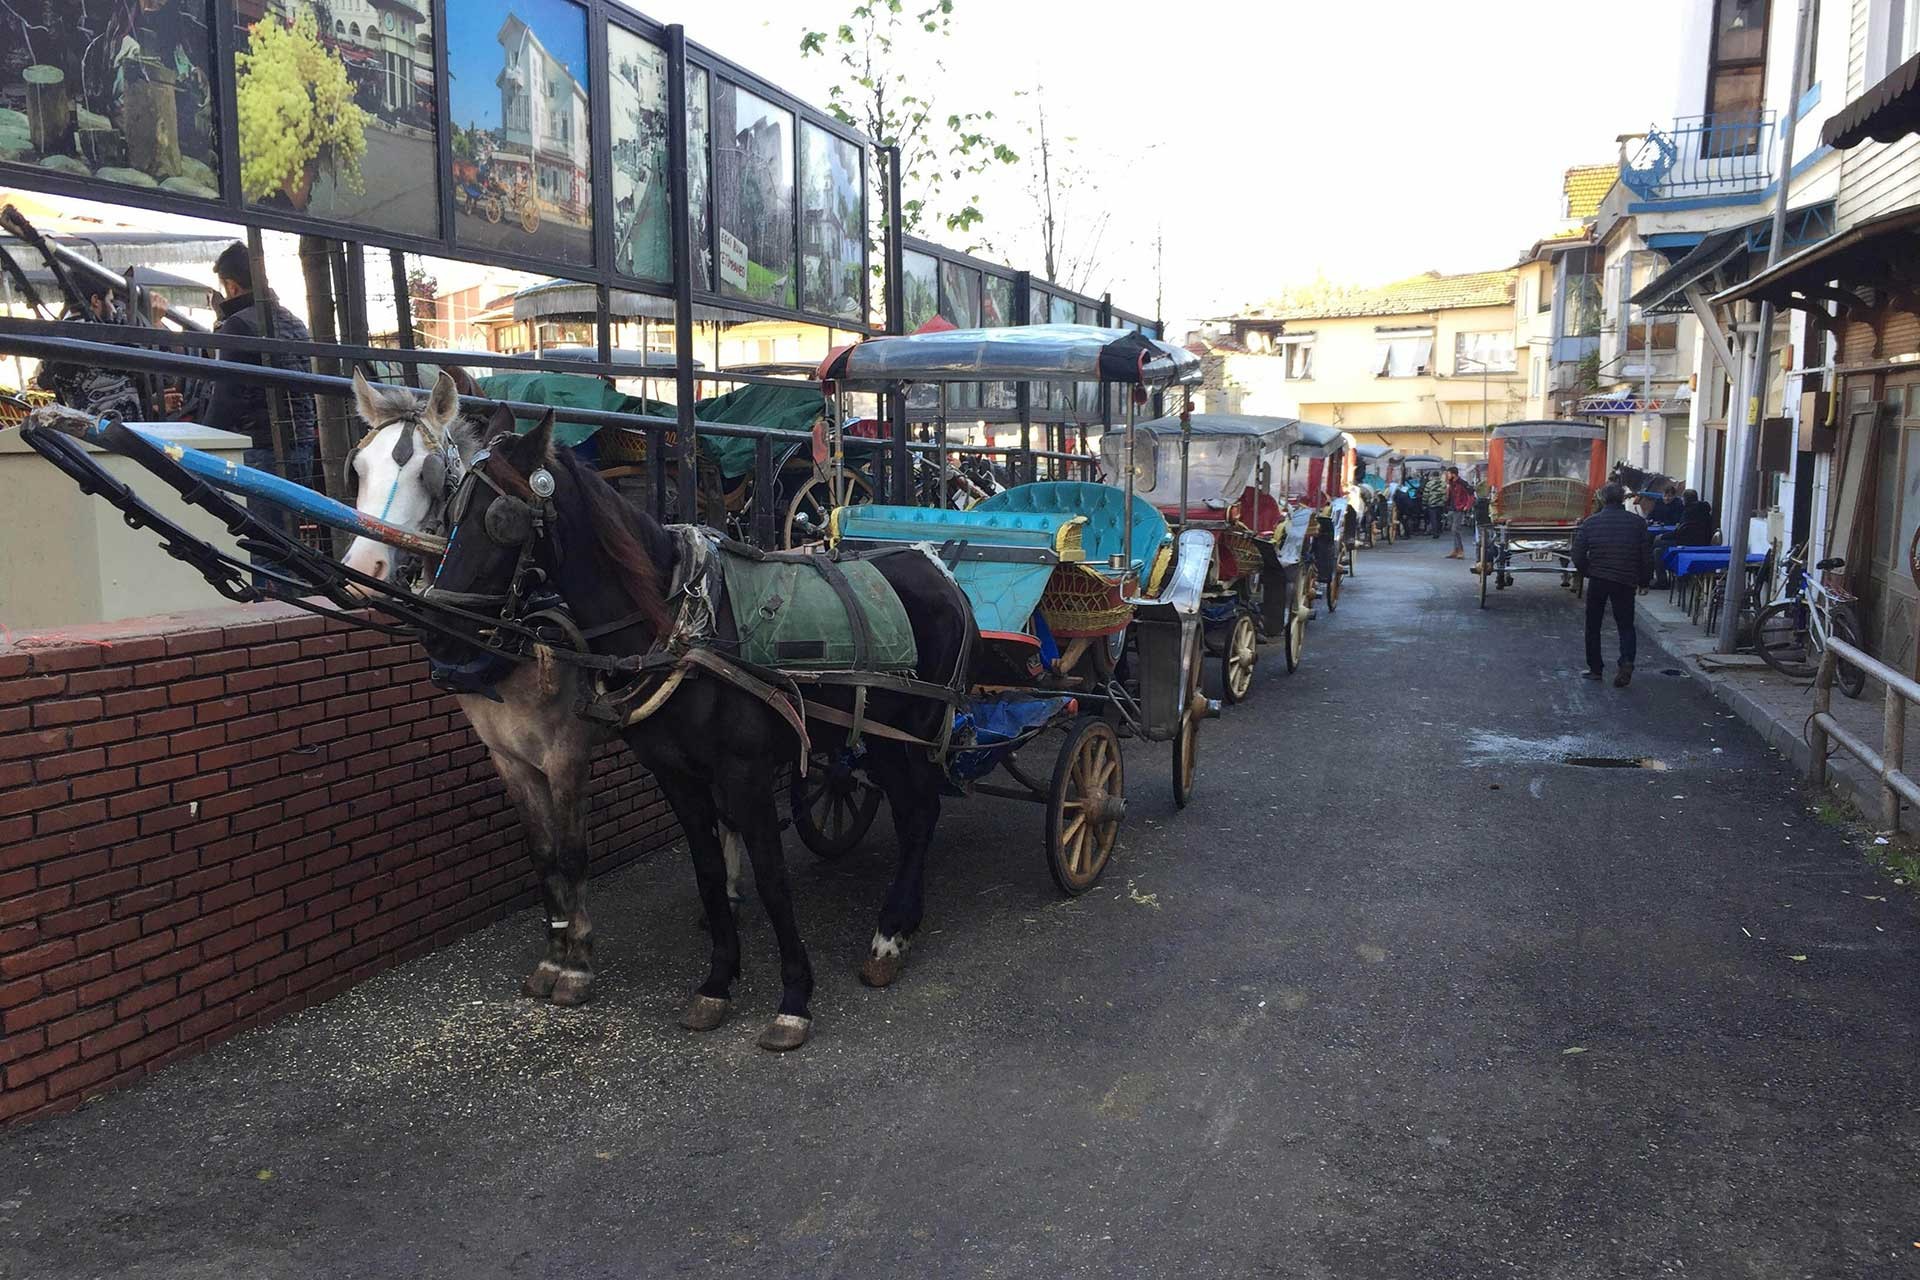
x,y
1615,553
243,407
1669,509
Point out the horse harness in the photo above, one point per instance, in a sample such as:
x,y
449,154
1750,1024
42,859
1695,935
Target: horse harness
x,y
437,475
521,515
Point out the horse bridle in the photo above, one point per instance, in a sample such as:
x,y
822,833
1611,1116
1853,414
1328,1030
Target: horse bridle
x,y
517,519
436,475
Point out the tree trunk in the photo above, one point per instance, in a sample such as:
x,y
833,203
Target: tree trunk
x,y
331,411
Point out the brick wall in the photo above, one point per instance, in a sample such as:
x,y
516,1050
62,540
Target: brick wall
x,y
212,820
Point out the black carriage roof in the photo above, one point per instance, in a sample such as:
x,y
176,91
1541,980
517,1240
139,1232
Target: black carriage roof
x,y
1371,452
1317,440
1030,353
1269,433
1549,429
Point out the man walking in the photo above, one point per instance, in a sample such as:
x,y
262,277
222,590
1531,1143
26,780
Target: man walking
x,y
1614,551
1460,502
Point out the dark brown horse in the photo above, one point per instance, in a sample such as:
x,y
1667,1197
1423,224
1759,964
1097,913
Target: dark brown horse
x,y
535,515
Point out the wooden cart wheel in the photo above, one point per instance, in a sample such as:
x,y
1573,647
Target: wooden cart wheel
x,y
1186,739
1485,567
493,211
1237,658
1085,805
1297,621
814,501
833,807
530,215
1333,586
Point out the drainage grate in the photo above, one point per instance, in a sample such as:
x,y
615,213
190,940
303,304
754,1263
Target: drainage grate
x,y
1611,762
1672,671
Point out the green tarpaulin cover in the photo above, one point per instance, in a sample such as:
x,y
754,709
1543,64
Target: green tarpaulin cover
x,y
788,408
789,616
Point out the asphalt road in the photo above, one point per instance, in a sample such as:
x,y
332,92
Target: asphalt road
x,y
1401,995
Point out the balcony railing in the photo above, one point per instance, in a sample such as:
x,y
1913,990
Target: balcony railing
x,y
1703,156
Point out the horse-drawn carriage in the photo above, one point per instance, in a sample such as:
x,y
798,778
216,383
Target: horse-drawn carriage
x,y
1542,478
1086,603
1375,488
1255,592
1317,473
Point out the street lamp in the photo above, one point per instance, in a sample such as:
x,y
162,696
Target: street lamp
x,y
1486,428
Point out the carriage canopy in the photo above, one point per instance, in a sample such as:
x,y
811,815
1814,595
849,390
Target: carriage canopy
x,y
1546,471
1030,353
1221,457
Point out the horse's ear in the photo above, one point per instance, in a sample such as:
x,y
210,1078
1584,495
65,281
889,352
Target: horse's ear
x,y
534,449
443,404
363,400
502,423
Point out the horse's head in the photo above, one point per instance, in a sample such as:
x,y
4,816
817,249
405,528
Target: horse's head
x,y
406,466
531,524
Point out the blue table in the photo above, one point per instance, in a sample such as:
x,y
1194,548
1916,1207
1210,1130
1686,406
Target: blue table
x,y
1693,567
1661,530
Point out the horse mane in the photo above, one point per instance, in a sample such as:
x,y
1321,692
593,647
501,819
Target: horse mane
x,y
612,520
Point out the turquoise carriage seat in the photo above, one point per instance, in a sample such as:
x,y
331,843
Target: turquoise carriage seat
x,y
1004,589
1105,508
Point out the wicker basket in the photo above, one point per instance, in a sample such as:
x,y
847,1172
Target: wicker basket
x,y
1081,601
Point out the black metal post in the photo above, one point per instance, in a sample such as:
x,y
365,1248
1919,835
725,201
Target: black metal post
x,y
764,530
603,326
686,457
899,460
1023,391
277,405
356,294
403,315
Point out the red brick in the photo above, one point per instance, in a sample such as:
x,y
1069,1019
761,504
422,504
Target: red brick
x,y
77,1080
267,654
172,1011
31,907
171,720
166,770
25,1045
100,681
67,817
18,1102
143,999
78,973
103,784
30,689
41,1065
137,752
115,984
84,1023
221,710
220,660
191,740
192,642
138,953
162,968
94,888
76,866
59,924
126,703
32,799
149,1047
36,1012
104,731
21,990
137,649
248,634
203,974
15,662
132,904
71,657
67,763
109,1040
258,679
168,819
46,715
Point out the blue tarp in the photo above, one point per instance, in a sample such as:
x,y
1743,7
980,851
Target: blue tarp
x,y
992,725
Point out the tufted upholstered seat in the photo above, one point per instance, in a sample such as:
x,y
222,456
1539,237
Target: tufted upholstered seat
x,y
1104,507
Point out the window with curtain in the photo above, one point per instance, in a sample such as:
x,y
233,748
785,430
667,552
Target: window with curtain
x,y
1474,351
1298,358
1736,78
1404,356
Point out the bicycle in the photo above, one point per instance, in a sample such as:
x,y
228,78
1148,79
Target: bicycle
x,y
1791,634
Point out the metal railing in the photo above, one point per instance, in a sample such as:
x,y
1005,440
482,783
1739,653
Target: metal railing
x,y
1887,764
1703,156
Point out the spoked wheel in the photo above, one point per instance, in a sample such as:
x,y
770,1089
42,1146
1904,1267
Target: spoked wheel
x,y
1851,679
808,509
1297,621
530,216
1484,567
1333,587
1085,805
1237,658
1186,739
833,807
1781,638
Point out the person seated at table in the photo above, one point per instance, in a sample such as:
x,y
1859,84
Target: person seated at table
x,y
1694,528
1670,507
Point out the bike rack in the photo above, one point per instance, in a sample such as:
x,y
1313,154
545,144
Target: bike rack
x,y
1889,763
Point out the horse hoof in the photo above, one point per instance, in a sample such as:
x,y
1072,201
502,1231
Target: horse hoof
x,y
786,1033
539,983
574,987
880,971
704,1013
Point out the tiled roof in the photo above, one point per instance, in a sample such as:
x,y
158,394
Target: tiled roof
x,y
1586,186
1429,291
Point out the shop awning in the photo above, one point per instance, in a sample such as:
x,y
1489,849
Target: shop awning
x,y
1885,113
1665,292
1881,254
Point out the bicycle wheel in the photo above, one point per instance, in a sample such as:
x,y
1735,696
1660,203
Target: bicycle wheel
x,y
1851,679
1781,638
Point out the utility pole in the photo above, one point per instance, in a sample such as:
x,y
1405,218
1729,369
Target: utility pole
x,y
1743,449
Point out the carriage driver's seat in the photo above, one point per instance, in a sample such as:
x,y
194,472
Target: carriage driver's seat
x,y
1105,508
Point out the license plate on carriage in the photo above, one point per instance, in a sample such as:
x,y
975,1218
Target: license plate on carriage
x,y
1541,556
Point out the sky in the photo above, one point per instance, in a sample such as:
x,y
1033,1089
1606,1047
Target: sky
x,y
1268,143
474,53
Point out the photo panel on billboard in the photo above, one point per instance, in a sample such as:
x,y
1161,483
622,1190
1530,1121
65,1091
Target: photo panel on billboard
x,y
117,90
637,102
1040,395
700,175
996,312
753,196
960,307
922,288
521,128
833,225
1087,394
336,109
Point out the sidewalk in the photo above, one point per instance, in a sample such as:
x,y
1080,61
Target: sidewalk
x,y
1778,708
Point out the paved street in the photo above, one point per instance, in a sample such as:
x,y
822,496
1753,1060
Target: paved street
x,y
1402,995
